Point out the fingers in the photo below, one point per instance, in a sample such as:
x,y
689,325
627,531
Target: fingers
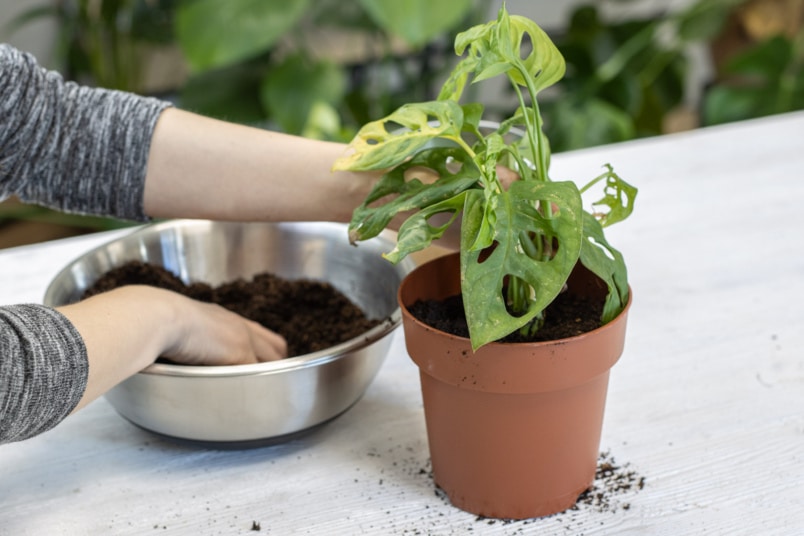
x,y
213,335
266,345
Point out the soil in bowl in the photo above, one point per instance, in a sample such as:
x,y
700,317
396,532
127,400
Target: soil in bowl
x,y
311,315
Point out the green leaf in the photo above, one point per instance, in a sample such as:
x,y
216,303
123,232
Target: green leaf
x,y
608,264
618,197
152,21
291,89
544,62
766,60
456,82
492,69
472,114
213,33
418,231
387,142
324,123
483,278
723,104
396,192
417,21
497,47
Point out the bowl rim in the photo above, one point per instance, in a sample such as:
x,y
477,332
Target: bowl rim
x,y
314,359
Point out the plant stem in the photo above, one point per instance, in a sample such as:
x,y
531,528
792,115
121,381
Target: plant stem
x,y
597,179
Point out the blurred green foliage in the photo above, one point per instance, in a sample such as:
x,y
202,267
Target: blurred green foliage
x,y
102,42
763,80
257,62
624,78
251,61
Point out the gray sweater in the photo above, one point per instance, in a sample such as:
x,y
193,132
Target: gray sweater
x,y
75,149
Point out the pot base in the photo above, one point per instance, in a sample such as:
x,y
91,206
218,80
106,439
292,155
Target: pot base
x,y
514,456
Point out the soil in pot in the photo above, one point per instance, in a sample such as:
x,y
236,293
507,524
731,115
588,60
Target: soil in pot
x,y
310,315
567,316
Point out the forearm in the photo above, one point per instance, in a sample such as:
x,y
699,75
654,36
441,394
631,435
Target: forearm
x,y
203,168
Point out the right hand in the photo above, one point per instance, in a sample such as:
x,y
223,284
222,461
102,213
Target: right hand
x,y
124,330
209,334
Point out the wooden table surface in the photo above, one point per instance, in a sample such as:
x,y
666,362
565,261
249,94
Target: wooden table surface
x,y
706,404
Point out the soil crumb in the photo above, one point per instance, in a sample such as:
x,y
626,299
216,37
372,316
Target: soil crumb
x,y
611,481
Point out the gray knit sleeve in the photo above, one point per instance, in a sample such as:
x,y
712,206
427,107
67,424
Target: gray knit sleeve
x,y
43,370
75,149
71,147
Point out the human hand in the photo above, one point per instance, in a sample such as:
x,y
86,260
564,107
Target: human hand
x,y
209,334
124,330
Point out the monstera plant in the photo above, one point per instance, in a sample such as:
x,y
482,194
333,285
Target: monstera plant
x,y
513,425
527,237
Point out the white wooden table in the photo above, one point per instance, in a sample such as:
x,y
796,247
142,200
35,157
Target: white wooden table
x,y
707,402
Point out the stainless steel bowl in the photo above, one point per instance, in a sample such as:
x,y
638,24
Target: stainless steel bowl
x,y
250,405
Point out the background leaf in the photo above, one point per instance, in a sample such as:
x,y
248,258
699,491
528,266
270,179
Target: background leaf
x,y
229,93
292,88
704,20
416,21
572,124
213,33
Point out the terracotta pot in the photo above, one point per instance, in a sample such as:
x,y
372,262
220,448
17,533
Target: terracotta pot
x,y
513,429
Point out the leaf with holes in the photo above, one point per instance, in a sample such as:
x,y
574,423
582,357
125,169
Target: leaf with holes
x,y
390,141
483,278
400,191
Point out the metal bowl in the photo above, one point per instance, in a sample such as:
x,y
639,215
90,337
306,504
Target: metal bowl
x,y
250,405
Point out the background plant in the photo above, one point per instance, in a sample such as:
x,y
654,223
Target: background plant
x,y
761,71
286,64
520,244
625,79
258,62
633,78
106,43
264,63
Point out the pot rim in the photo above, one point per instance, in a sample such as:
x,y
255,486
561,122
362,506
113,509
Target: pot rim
x,y
407,314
